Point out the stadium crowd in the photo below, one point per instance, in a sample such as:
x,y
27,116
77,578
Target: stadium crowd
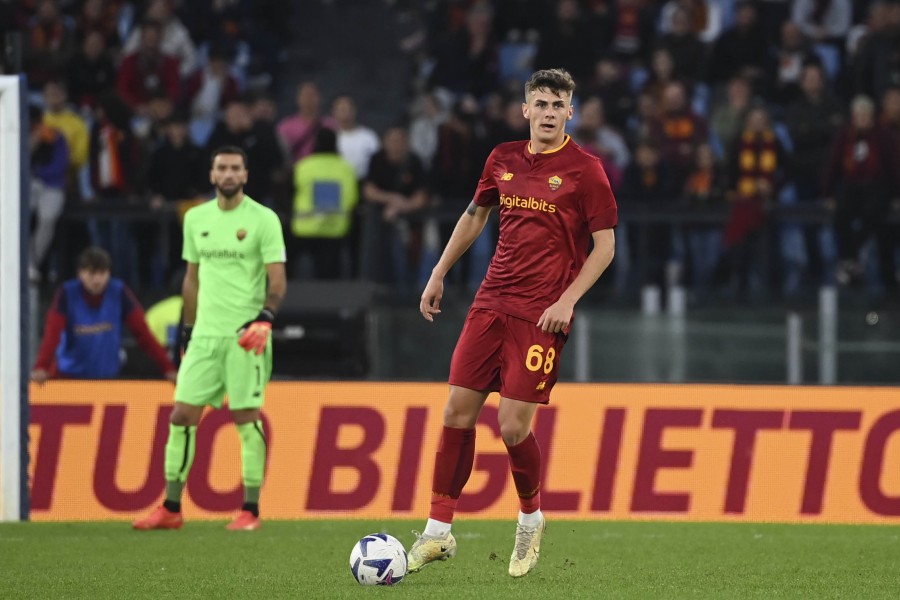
x,y
731,131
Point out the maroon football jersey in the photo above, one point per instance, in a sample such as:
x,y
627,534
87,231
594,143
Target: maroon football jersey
x,y
550,203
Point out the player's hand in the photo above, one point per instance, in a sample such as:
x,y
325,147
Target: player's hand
x,y
186,332
557,317
430,304
171,376
255,334
40,376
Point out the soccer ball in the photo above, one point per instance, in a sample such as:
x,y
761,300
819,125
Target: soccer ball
x,y
378,559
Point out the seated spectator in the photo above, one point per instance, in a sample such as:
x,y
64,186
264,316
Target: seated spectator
x,y
49,166
148,70
861,178
100,16
326,192
298,131
395,193
611,86
597,137
175,39
83,329
466,62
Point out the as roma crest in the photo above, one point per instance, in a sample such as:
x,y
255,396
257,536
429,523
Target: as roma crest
x,y
555,182
241,234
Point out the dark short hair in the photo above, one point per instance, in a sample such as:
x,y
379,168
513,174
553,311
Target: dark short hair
x,y
228,150
95,258
554,80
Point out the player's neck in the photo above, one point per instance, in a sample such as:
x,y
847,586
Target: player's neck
x,y
537,147
229,202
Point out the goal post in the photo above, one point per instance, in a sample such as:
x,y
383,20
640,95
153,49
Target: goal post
x,y
14,356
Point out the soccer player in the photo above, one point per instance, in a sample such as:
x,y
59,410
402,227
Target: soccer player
x,y
554,201
232,246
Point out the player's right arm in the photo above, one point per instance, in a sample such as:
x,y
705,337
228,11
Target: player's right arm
x,y
189,288
467,230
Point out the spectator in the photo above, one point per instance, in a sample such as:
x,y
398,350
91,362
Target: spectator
x,y
649,184
49,165
876,64
662,73
174,165
610,85
429,114
861,178
395,192
58,115
567,40
298,132
687,51
596,136
704,18
147,71
49,45
356,143
326,191
258,140
756,172
813,120
728,114
175,40
823,20
793,54
704,193
207,91
91,71
678,131
83,329
467,62
742,49
633,30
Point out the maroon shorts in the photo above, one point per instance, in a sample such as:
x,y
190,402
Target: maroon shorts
x,y
500,353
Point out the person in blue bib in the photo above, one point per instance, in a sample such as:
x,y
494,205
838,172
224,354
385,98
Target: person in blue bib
x,y
83,329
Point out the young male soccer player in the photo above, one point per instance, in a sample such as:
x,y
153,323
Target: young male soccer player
x,y
554,200
232,246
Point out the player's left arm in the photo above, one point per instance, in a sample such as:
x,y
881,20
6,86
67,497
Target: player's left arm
x,y
558,316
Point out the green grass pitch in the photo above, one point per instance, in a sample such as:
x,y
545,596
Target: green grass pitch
x,y
309,560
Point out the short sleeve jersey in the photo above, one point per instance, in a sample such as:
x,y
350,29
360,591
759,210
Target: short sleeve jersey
x,y
231,248
550,203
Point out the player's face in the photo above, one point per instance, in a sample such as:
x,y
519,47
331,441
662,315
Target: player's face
x,y
547,113
93,281
228,174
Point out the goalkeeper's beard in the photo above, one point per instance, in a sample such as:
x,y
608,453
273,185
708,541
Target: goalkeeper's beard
x,y
229,192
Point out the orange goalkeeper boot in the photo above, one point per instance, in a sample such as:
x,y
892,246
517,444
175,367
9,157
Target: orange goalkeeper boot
x,y
245,521
160,518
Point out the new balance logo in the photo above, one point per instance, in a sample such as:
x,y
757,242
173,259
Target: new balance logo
x,y
204,234
506,177
541,386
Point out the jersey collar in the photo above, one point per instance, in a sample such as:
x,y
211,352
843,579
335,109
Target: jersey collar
x,y
552,150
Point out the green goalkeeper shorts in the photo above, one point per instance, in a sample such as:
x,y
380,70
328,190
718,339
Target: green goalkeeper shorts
x,y
215,366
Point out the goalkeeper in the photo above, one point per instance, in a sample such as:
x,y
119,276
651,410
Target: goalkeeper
x,y
232,245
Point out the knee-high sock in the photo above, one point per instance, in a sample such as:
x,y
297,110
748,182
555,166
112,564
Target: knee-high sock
x,y
525,464
452,467
179,456
253,459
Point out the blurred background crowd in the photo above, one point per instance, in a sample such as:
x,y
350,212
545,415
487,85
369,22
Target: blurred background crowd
x,y
753,146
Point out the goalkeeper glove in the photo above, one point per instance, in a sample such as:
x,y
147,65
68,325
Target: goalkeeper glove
x,y
255,333
185,338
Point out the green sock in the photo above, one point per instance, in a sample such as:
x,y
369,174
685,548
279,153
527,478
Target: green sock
x,y
179,456
253,459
